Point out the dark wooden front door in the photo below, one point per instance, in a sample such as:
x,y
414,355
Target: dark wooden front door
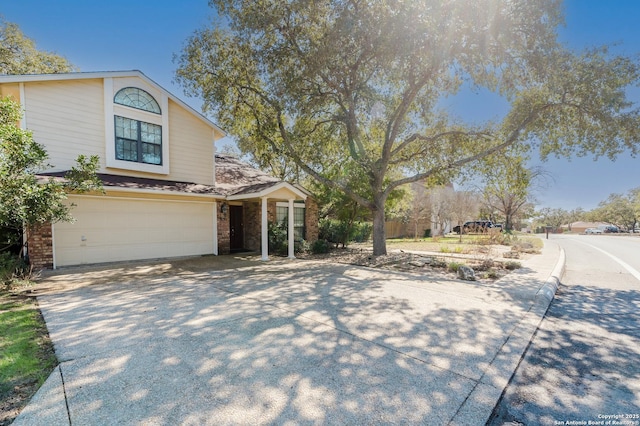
x,y
236,228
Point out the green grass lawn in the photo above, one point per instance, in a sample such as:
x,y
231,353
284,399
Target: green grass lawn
x,y
26,353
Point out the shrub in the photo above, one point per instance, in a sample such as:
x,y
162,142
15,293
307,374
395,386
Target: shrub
x,y
427,233
278,243
320,247
301,246
491,274
13,268
438,263
454,266
512,265
362,232
485,265
341,232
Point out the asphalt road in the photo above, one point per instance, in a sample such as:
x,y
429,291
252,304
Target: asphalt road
x,y
583,365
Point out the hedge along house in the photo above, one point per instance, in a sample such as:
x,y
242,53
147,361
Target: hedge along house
x,y
167,193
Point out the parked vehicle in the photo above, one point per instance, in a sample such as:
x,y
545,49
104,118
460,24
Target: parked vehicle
x,y
474,226
611,230
593,231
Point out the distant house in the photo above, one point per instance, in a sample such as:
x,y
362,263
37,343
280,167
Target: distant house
x,y
580,226
168,193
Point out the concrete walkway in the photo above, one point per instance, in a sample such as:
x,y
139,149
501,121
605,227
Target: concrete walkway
x,y
237,341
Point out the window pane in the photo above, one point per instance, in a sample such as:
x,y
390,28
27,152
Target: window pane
x,y
137,98
151,153
298,216
282,214
151,133
126,128
126,150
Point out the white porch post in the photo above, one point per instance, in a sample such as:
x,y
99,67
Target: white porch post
x,y
290,231
215,228
265,230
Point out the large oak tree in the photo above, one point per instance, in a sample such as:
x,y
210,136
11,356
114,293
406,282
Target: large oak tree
x,y
350,89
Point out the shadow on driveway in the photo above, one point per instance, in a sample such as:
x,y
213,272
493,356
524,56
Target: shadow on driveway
x,y
239,341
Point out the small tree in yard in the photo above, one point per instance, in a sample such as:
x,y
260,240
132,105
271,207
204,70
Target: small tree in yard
x,y
465,206
25,199
508,186
441,201
420,208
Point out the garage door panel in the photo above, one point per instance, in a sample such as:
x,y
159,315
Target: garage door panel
x,y
108,230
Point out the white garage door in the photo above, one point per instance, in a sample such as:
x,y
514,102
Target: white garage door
x,y
110,230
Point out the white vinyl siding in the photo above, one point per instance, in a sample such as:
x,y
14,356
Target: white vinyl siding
x,y
119,229
67,118
191,150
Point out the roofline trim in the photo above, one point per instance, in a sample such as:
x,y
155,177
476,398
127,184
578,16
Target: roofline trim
x,y
265,192
161,192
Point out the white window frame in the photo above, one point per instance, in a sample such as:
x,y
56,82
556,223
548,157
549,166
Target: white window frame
x,y
112,109
295,206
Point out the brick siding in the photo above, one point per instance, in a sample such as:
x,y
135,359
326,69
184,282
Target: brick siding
x,y
40,246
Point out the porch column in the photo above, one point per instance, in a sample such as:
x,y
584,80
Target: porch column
x,y
215,228
290,231
265,230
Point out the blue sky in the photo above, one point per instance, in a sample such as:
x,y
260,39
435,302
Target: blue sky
x,y
115,35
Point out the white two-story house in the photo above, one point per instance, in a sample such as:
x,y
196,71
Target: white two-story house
x,y
167,192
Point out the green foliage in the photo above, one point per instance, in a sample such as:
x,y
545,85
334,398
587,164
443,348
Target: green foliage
x,y
507,185
18,54
12,269
427,233
553,217
362,232
351,92
622,210
278,243
491,274
454,266
320,247
25,198
343,232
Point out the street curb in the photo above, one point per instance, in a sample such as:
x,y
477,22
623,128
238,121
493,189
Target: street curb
x,y
536,314
547,292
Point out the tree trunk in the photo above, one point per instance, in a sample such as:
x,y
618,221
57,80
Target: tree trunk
x,y
508,222
379,232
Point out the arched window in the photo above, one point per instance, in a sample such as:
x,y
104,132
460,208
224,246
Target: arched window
x,y
137,98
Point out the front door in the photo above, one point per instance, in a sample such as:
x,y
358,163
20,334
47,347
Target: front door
x,y
236,228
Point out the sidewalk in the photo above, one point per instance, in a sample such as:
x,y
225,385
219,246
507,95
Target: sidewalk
x,y
285,341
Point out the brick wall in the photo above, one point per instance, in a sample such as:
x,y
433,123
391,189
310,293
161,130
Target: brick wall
x,y
224,234
40,246
252,211
252,225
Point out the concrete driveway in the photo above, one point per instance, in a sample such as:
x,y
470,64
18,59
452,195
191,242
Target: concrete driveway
x,y
237,341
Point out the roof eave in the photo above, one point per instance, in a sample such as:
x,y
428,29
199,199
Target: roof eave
x,y
265,192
